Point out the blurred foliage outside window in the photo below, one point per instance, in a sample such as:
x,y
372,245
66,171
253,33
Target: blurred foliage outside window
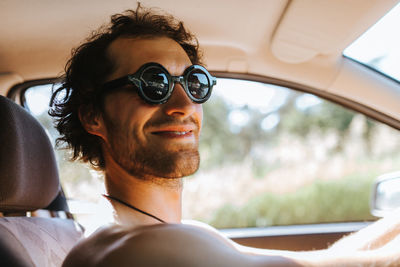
x,y
269,156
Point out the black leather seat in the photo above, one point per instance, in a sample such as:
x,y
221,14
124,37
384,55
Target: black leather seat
x,y
29,182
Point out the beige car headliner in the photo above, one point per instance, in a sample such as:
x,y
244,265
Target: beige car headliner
x,y
297,41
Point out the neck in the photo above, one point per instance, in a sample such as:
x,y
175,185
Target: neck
x,y
160,197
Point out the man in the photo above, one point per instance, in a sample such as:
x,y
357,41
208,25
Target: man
x,y
130,104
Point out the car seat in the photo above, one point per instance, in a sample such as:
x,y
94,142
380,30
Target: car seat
x,y
29,186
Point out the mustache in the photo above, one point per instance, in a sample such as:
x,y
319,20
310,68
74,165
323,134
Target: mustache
x,y
168,121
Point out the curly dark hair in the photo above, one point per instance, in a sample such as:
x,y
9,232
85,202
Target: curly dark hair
x,y
89,67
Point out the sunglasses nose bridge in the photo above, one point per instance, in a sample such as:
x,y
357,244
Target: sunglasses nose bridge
x,y
178,79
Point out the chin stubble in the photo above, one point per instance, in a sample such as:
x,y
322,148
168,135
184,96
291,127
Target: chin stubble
x,y
150,162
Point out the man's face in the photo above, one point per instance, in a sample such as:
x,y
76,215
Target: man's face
x,y
151,140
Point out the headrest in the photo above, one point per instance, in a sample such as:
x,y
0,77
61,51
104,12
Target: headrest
x,y
28,170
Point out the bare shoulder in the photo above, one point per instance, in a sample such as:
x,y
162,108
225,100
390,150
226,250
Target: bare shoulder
x,y
91,250
161,245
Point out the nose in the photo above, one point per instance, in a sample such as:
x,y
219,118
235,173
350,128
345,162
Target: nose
x,y
179,104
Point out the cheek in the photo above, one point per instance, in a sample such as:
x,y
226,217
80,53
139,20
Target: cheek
x,y
199,112
139,117
128,113
135,121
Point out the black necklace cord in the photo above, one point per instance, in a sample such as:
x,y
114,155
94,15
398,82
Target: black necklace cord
x,y
133,207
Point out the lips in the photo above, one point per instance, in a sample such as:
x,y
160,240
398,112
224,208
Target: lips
x,y
175,131
173,134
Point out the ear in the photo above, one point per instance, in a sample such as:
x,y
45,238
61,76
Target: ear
x,y
93,122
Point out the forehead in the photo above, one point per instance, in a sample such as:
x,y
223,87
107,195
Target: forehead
x,y
128,54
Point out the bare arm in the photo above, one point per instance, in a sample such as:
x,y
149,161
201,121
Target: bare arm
x,y
186,245
375,236
376,245
182,246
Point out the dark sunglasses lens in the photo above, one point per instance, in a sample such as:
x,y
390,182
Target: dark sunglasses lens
x,y
198,84
155,83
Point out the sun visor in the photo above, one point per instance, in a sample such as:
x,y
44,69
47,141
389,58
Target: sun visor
x,y
309,28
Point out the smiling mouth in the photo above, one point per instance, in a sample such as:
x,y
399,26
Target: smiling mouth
x,y
174,134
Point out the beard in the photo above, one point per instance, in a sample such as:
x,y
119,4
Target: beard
x,y
151,160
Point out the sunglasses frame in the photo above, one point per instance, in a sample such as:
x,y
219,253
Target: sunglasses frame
x,y
136,80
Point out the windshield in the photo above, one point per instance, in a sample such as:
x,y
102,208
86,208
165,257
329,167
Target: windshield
x,y
379,47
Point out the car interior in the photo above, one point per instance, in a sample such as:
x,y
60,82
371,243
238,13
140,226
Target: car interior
x,y
297,44
29,179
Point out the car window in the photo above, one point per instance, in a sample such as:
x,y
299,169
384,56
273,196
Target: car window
x,y
378,48
270,155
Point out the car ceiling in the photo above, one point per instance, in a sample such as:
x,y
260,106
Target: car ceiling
x,y
300,41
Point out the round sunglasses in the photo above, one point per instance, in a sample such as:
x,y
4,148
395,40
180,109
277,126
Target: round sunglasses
x,y
155,85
